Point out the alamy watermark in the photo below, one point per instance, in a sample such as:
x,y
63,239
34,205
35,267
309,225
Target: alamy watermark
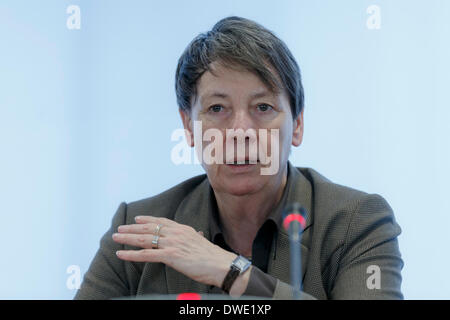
x,y
73,22
374,20
374,280
73,281
218,152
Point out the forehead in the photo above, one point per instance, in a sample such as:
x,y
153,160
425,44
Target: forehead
x,y
224,81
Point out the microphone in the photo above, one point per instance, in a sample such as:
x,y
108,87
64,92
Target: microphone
x,y
294,221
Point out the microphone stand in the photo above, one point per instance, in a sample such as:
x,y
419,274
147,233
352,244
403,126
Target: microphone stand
x,y
294,220
295,253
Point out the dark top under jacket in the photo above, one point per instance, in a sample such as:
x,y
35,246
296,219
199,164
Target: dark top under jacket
x,y
348,235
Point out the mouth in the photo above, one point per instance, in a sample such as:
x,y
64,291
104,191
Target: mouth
x,y
245,162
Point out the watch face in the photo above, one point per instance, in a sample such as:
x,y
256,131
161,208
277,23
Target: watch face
x,y
241,263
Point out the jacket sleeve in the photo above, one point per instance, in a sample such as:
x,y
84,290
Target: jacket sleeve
x,y
264,285
370,263
107,276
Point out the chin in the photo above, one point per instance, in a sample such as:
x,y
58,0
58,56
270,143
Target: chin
x,y
241,186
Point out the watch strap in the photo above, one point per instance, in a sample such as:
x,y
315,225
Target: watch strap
x,y
231,276
238,266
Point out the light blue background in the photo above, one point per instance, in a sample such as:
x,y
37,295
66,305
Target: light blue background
x,y
86,118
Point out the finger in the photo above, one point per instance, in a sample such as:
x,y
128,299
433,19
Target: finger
x,y
144,255
201,233
146,228
151,219
137,240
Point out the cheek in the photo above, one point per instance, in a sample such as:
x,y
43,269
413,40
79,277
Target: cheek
x,y
284,137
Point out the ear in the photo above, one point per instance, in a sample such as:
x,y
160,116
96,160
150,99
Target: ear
x,y
187,124
297,134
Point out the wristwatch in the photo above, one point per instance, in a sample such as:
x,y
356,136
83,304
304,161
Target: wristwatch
x,y
238,266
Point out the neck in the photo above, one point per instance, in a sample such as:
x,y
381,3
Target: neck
x,y
242,216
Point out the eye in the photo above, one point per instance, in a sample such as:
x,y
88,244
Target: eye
x,y
263,107
216,108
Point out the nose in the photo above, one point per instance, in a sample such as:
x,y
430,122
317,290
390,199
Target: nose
x,y
241,120
241,137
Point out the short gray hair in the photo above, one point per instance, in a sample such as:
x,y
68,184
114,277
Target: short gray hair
x,y
239,43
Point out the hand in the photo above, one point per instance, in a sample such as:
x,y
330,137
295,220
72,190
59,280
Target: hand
x,y
179,246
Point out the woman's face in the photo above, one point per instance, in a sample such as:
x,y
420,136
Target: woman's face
x,y
232,100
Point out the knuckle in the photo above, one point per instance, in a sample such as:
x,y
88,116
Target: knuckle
x,y
166,221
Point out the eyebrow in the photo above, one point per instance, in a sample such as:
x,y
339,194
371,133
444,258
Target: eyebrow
x,y
218,94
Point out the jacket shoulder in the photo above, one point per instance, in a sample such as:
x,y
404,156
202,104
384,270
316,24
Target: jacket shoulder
x,y
335,205
333,191
341,211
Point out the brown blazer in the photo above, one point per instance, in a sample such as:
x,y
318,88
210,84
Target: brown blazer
x,y
347,231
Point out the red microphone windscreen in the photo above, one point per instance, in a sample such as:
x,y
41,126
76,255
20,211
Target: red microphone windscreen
x,y
294,217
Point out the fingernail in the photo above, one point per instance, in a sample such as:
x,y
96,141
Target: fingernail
x,y
118,253
120,228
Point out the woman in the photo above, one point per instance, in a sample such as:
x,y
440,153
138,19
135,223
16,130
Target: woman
x,y
222,232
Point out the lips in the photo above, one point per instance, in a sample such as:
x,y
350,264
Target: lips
x,y
242,162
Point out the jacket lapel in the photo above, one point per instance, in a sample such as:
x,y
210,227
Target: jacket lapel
x,y
279,266
299,191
